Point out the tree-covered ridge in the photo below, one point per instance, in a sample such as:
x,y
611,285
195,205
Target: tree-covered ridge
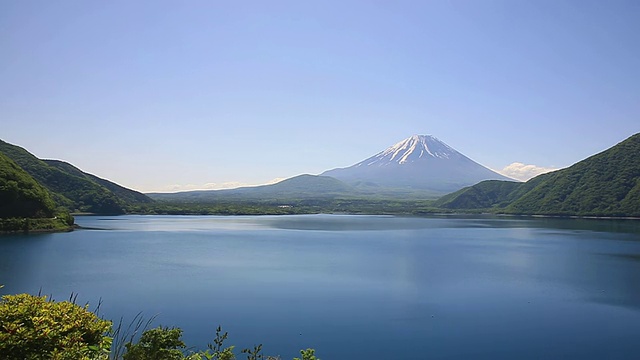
x,y
70,187
20,195
605,184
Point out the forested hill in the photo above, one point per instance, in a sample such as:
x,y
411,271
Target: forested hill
x,y
20,195
73,189
605,184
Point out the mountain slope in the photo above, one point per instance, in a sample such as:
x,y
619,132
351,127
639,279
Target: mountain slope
x,y
69,187
128,195
421,162
605,184
21,195
484,195
298,187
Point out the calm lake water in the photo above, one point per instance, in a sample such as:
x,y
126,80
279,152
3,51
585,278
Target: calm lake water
x,y
354,287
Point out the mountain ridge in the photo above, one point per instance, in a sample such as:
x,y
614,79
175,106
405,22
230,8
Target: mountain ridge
x,y
303,186
604,184
69,186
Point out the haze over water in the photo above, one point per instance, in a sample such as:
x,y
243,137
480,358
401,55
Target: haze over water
x,y
354,287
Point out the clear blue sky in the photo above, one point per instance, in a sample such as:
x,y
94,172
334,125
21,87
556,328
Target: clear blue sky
x,y
159,95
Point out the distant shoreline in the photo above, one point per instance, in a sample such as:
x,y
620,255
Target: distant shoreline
x,y
39,231
34,225
444,214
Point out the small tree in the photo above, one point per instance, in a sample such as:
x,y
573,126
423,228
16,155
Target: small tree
x,y
308,354
160,343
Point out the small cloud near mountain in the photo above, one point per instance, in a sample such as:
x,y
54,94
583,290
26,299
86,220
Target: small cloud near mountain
x,y
524,172
215,186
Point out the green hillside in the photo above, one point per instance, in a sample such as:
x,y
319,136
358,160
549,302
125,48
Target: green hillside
x,y
26,205
488,195
20,195
70,187
605,184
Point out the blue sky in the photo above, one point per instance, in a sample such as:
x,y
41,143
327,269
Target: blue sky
x,y
162,95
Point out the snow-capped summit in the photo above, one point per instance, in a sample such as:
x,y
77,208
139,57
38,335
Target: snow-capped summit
x,y
412,149
420,162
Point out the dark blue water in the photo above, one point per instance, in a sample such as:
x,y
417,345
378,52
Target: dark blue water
x,y
354,287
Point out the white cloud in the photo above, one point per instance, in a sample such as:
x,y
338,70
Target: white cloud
x,y
523,172
275,181
213,186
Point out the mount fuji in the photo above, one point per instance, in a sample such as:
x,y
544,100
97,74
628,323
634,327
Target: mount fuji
x,y
418,163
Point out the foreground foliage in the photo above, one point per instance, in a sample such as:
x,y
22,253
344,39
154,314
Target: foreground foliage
x,y
36,328
164,343
32,327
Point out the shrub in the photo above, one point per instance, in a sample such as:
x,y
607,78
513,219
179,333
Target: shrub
x,y
309,354
157,344
34,328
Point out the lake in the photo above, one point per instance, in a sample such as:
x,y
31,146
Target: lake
x,y
354,287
